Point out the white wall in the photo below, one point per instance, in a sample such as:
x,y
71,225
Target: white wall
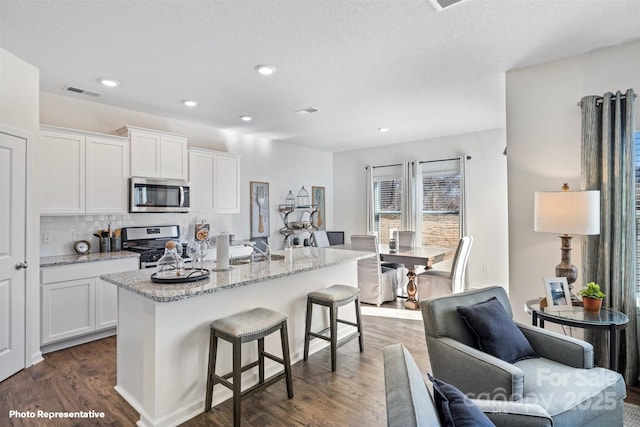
x,y
19,105
284,166
543,133
487,198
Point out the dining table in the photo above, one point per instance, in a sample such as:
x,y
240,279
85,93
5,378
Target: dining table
x,y
412,257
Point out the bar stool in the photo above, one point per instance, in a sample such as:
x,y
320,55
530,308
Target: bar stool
x,y
333,297
241,328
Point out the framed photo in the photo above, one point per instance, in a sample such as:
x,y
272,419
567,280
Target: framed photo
x,y
259,193
557,291
317,199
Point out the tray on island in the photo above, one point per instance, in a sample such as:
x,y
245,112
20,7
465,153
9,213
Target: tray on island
x,y
170,277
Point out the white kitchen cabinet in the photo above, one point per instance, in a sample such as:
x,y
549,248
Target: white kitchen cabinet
x,y
156,154
78,306
214,181
68,309
106,304
83,172
62,172
106,175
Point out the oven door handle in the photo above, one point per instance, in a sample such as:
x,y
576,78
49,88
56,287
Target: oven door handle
x,y
181,196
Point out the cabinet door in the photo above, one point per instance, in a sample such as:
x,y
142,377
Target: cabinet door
x,y
62,172
68,309
106,175
201,167
106,304
173,157
145,154
227,184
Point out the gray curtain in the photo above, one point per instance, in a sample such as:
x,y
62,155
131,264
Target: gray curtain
x,y
610,258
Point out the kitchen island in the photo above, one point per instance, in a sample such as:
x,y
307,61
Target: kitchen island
x,y
163,330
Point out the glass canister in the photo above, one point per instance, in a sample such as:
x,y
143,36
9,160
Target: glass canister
x,y
302,199
171,265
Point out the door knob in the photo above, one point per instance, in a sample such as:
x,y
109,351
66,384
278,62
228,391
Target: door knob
x,y
20,265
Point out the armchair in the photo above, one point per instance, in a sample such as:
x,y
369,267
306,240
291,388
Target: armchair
x,y
410,404
562,380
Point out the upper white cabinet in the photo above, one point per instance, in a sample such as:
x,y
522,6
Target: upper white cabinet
x,y
214,179
83,172
156,154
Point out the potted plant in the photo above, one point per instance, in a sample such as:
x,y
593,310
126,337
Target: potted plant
x,y
591,297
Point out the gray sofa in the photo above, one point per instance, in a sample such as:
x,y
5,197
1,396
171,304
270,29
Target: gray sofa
x,y
562,380
409,402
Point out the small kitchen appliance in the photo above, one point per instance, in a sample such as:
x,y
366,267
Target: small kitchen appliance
x,y
158,195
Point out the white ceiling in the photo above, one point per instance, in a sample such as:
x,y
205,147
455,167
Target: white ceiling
x,y
363,64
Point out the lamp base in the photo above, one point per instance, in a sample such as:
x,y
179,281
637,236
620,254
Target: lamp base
x,y
566,269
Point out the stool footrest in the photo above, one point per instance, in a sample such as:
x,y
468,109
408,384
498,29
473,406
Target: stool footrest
x,y
346,322
269,381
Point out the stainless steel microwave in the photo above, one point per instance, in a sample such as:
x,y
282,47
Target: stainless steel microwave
x,y
158,195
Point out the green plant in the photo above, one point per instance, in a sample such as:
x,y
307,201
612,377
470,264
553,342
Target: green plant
x,y
592,290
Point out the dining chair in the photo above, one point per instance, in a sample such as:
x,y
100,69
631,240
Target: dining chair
x,y
320,239
404,238
377,283
432,283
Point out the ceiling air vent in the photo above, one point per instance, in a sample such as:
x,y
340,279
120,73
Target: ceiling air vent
x,y
305,111
439,5
81,91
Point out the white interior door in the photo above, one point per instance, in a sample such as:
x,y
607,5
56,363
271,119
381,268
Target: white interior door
x,y
12,253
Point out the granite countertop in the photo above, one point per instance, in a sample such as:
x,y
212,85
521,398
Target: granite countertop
x,y
303,260
58,260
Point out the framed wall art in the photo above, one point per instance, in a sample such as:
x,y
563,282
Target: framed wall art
x,y
557,291
259,193
317,199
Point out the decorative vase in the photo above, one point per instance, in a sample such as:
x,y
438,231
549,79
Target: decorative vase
x,y
592,304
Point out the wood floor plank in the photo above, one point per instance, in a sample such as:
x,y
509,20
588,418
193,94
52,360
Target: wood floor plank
x,y
82,378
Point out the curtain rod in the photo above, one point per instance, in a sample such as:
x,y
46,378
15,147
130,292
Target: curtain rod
x,y
443,160
599,100
420,162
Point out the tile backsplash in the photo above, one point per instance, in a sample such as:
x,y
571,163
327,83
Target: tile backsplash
x,y
58,233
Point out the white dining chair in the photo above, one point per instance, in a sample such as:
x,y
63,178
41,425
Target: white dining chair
x,y
377,284
433,283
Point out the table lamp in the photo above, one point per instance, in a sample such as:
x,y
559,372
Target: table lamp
x,y
567,213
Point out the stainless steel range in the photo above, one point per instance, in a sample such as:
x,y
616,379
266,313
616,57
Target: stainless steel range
x,y
149,242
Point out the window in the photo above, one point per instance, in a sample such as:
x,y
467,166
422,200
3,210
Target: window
x,y
441,209
387,197
437,214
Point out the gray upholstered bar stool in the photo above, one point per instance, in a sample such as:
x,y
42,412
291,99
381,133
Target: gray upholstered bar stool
x,y
333,297
241,328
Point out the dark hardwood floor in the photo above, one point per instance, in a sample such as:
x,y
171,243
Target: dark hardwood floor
x,y
82,379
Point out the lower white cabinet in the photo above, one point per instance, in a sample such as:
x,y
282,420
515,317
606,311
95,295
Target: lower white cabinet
x,y
77,303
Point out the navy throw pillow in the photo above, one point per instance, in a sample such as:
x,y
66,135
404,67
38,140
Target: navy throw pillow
x,y
456,409
496,332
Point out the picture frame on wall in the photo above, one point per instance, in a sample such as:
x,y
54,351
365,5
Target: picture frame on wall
x,y
317,199
260,224
557,292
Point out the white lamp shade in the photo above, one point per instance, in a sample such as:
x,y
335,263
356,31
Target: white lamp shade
x,y
567,212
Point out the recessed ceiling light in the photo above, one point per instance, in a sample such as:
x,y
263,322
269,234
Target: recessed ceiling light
x,y
109,82
190,103
246,118
383,130
265,69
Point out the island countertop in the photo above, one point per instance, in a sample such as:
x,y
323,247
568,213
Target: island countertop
x,y
302,260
